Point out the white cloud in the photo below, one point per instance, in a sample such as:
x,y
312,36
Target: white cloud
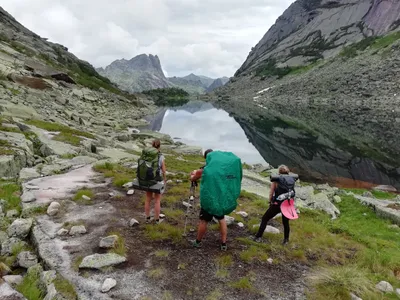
x,y
209,37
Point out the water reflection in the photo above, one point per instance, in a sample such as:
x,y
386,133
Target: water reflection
x,y
200,124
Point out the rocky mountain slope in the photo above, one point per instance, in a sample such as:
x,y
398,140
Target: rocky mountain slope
x,y
320,89
217,83
143,72
311,30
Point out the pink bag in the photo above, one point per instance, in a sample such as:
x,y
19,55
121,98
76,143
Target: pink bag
x,y
289,210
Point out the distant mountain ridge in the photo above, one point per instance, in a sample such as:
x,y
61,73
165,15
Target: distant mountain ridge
x,y
144,72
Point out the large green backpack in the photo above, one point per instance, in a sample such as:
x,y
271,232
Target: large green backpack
x,y
148,170
221,183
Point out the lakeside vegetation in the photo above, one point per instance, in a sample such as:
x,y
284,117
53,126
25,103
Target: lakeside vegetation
x,y
168,96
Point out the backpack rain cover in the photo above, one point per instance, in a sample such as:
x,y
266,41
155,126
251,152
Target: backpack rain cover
x,y
221,183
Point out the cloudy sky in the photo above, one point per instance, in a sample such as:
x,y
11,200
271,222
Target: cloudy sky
x,y
205,37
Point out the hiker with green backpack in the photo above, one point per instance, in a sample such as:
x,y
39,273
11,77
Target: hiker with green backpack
x,y
150,166
220,188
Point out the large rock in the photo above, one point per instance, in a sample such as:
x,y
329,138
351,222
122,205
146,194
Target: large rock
x,y
13,280
53,208
77,230
188,150
98,261
20,228
27,259
305,192
27,174
321,202
385,188
8,293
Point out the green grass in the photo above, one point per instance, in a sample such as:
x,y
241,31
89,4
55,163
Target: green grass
x,y
339,282
175,165
76,263
215,295
14,91
254,253
68,138
386,41
119,247
84,192
377,194
164,232
59,127
161,253
242,284
224,261
156,273
65,288
11,193
118,173
68,156
31,287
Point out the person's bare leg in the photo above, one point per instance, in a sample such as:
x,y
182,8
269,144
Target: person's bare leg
x,y
201,230
149,195
223,228
157,206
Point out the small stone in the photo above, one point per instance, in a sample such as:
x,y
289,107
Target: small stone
x,y
243,214
270,260
62,232
169,181
393,226
128,185
20,228
108,284
13,280
130,192
86,198
185,204
368,194
53,208
27,259
108,242
229,220
13,213
111,194
337,199
269,229
75,230
133,222
354,297
398,292
179,181
240,225
385,287
98,261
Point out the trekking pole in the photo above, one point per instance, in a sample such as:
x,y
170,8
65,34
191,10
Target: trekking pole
x,y
190,207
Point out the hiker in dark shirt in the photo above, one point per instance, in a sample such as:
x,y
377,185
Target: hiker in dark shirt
x,y
275,208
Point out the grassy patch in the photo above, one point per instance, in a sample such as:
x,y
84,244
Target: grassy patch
x,y
119,247
174,214
120,174
386,41
161,253
68,156
11,193
65,288
224,261
84,192
59,127
156,273
339,282
14,91
242,284
215,295
68,138
22,49
174,164
31,287
377,194
164,232
254,253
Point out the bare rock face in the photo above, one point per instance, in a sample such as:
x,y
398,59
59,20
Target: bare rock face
x,y
315,29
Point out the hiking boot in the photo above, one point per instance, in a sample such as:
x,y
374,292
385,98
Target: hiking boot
x,y
148,220
256,239
197,244
224,247
285,242
159,221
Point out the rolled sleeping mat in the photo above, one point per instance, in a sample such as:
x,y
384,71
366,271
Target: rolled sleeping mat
x,y
276,177
158,188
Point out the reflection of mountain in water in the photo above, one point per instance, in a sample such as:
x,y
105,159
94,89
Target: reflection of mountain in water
x,y
191,107
312,155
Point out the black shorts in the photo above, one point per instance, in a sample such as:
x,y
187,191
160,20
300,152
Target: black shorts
x,y
205,216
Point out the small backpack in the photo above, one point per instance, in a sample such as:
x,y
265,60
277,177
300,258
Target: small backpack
x,y
286,186
148,170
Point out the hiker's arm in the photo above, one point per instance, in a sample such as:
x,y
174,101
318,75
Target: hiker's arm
x,y
271,192
196,175
164,171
